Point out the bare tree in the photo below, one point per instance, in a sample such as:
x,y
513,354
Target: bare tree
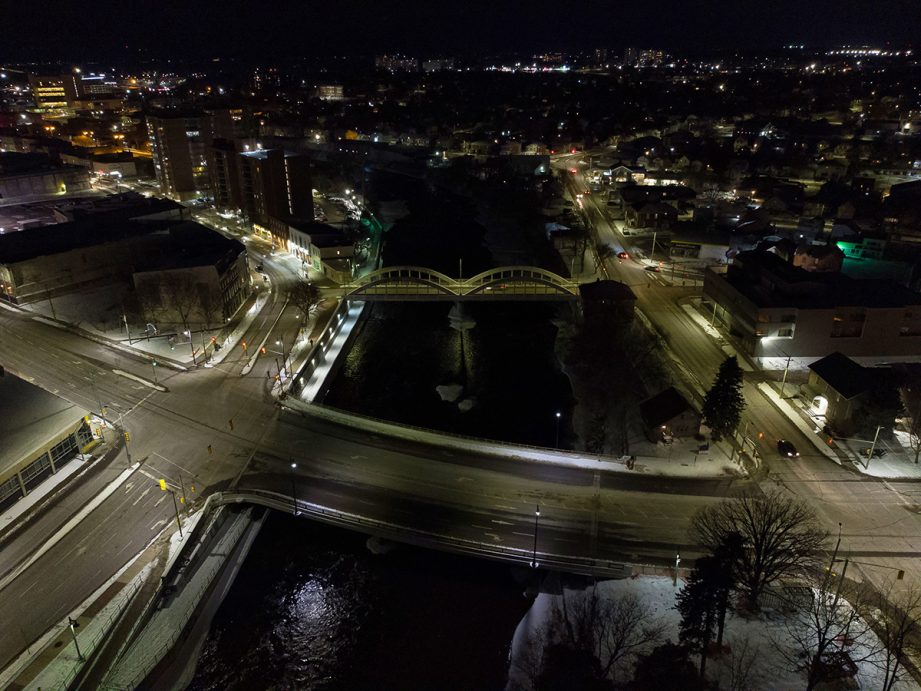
x,y
182,295
829,634
741,663
780,537
897,623
613,629
603,252
208,305
306,297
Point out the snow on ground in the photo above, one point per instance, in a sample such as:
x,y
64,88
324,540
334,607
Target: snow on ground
x,y
766,632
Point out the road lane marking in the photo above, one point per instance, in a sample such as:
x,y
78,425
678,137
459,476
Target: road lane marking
x,y
90,506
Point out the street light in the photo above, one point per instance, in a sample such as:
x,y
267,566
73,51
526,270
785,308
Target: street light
x,y
73,623
558,414
294,487
153,365
534,551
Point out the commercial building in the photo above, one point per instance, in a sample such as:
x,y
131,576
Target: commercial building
x,y
197,277
27,175
275,184
321,248
54,92
778,311
224,169
180,142
39,434
107,250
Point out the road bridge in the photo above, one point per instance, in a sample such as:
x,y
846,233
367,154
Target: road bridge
x,y
414,283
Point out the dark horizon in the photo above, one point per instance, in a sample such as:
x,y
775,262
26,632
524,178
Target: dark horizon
x,y
250,31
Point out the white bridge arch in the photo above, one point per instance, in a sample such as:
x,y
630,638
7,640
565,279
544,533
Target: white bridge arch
x,y
414,283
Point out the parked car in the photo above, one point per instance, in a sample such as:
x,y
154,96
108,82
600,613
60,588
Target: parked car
x,y
654,268
786,449
623,255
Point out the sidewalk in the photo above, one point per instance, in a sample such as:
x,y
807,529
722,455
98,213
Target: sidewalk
x,y
56,662
680,461
323,354
171,617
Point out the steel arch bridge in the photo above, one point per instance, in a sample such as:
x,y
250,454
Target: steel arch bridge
x,y
414,283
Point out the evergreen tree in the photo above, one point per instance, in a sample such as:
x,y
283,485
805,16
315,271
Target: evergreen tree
x,y
724,403
699,603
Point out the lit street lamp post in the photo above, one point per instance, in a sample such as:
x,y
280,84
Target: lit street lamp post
x,y
153,365
73,633
558,414
294,487
534,551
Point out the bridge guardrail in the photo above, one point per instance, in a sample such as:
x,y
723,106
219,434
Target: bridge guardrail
x,y
515,555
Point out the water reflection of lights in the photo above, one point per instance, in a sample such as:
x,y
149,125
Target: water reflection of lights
x,y
312,602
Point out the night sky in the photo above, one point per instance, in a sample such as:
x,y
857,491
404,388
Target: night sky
x,y
273,28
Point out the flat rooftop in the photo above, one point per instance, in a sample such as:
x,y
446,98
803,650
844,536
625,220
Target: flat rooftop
x,y
29,418
769,281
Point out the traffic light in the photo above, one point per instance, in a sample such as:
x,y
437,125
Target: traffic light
x,y
243,343
162,484
262,350
127,437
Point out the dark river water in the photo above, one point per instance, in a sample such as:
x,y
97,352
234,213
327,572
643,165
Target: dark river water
x,y
313,608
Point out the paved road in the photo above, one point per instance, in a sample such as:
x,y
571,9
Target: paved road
x,y
482,499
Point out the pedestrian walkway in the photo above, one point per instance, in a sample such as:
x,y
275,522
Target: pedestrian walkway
x,y
33,499
325,351
63,651
684,459
169,620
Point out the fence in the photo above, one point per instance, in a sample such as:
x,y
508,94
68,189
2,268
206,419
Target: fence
x,y
183,607
107,623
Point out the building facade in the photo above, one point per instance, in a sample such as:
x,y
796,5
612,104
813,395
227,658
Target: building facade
x,y
776,311
180,143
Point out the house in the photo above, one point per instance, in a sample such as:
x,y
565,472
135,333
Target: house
x,y
824,257
606,299
667,415
650,215
838,386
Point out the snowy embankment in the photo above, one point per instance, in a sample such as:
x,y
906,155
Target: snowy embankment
x,y
766,638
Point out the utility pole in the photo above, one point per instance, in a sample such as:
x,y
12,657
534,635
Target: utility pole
x,y
652,253
873,445
127,330
176,507
783,382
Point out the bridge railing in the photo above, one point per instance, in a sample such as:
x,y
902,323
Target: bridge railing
x,y
414,280
429,539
